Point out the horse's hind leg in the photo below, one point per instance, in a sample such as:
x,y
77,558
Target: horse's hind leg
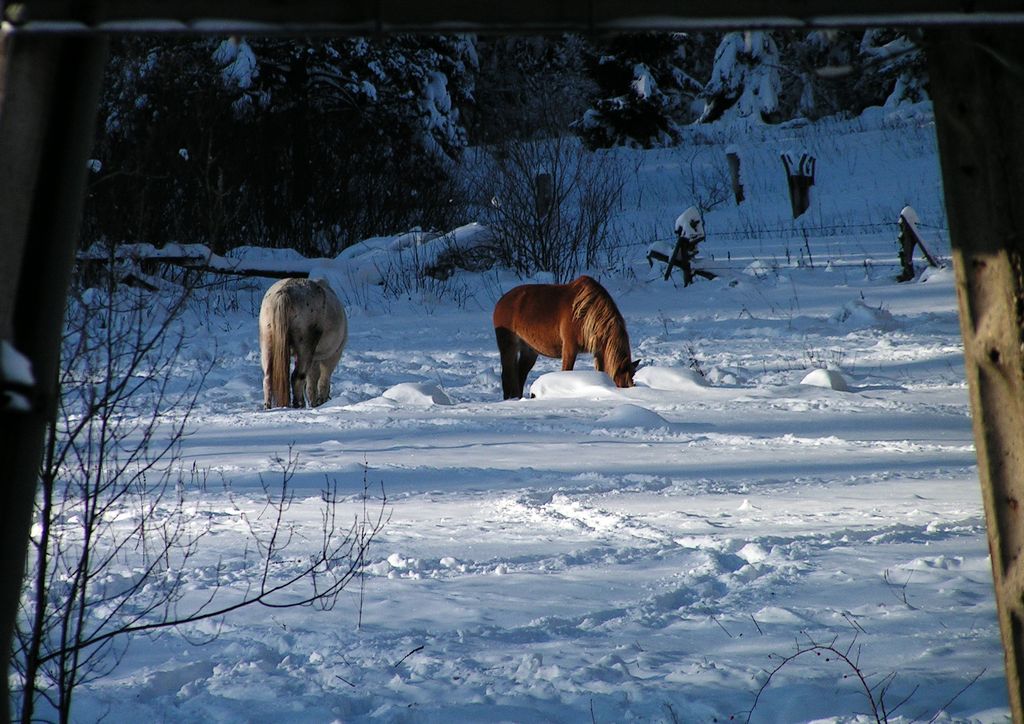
x,y
313,384
527,359
318,386
304,376
298,387
303,360
508,350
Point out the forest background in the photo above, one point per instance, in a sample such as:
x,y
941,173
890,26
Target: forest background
x,y
316,145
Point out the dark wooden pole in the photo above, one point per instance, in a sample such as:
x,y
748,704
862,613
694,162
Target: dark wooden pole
x,y
799,178
732,156
49,91
977,77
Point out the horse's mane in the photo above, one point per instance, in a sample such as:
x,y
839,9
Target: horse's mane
x,y
601,324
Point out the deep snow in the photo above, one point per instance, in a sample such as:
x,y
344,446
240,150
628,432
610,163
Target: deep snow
x,y
794,467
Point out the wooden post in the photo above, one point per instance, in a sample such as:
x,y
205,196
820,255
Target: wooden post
x,y
976,79
732,155
689,228
545,194
908,240
800,178
49,91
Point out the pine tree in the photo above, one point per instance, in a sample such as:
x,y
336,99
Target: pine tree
x,y
746,79
308,144
894,68
645,89
843,72
528,87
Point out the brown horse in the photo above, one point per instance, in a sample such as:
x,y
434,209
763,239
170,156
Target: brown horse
x,y
304,318
560,320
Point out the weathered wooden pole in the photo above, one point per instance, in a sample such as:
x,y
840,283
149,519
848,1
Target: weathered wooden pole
x,y
908,240
732,157
49,91
977,77
799,178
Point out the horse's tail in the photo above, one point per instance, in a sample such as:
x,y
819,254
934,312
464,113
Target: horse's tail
x,y
277,340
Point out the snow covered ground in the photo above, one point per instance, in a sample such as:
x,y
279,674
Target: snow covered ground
x,y
794,470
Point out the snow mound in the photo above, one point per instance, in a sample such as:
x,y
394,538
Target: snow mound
x,y
718,376
669,378
752,552
419,394
942,274
573,383
757,268
371,260
859,315
946,563
830,379
633,416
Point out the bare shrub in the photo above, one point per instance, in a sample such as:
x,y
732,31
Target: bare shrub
x,y
877,689
705,184
549,204
119,520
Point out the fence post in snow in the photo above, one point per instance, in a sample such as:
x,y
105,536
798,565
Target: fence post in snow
x,y
908,239
800,177
545,194
732,155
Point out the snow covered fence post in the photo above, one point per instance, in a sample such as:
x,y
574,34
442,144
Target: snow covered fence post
x,y
908,239
800,177
689,228
979,120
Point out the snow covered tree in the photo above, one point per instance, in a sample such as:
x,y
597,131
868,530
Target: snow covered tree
x,y
309,144
817,77
894,68
528,87
772,77
844,72
157,95
745,82
364,132
645,89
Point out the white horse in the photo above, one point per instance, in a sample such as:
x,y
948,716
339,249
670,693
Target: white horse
x,y
304,318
